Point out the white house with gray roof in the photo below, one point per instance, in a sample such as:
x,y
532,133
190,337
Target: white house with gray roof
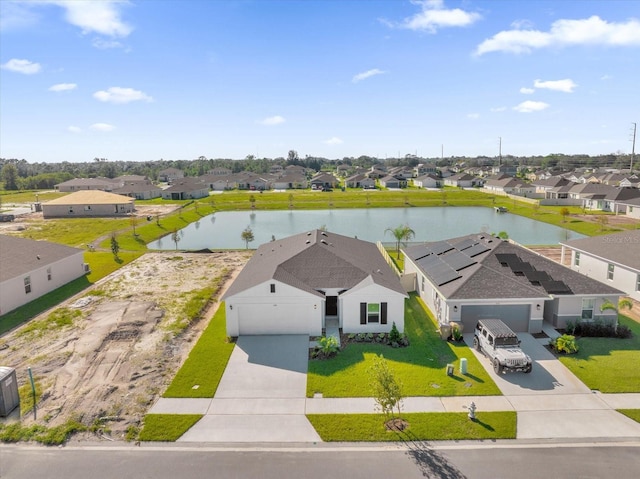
x,y
611,259
480,276
30,269
291,286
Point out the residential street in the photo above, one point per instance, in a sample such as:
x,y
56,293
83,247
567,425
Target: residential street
x,y
442,460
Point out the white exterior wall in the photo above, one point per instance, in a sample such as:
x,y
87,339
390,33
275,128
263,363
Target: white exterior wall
x,y
624,278
79,211
275,305
633,211
13,293
349,309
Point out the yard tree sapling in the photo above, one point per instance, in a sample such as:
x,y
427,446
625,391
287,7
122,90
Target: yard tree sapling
x,y
387,390
247,236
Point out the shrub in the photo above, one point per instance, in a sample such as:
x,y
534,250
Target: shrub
x,y
565,344
394,334
623,332
456,332
328,345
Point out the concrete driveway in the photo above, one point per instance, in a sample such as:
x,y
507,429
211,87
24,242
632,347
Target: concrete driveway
x,y
549,375
261,396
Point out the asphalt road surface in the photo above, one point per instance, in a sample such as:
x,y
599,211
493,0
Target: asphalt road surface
x,y
419,460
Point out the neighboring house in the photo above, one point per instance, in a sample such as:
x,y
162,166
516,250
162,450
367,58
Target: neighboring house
x,y
545,186
82,184
186,189
424,169
632,207
30,269
291,286
170,174
140,191
611,200
508,185
429,180
461,180
393,182
611,259
219,182
479,276
343,170
509,170
88,203
360,180
290,181
323,180
630,182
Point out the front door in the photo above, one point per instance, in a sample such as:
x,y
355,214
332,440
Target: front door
x,y
331,308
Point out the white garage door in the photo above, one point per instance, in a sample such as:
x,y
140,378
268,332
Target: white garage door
x,y
254,319
516,316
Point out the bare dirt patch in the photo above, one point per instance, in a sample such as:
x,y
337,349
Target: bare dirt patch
x,y
119,355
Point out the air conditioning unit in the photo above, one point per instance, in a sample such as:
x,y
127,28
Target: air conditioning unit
x,y
86,268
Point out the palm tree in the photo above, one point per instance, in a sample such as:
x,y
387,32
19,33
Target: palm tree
x,y
401,233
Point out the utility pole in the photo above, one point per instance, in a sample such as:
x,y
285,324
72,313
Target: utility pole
x,y
500,151
442,151
633,147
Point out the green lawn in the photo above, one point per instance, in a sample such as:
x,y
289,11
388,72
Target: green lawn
x,y
421,367
607,364
631,413
167,427
434,426
206,362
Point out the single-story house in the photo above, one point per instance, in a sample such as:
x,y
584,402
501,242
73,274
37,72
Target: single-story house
x,y
324,180
219,182
479,276
170,174
610,200
393,182
140,191
291,286
30,269
612,259
290,181
508,185
429,180
631,207
186,189
422,169
461,180
88,203
360,180
82,184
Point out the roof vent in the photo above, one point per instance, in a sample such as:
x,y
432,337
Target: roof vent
x,y
308,241
309,233
323,242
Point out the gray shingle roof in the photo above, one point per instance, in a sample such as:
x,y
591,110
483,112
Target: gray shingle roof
x,y
19,256
316,260
622,248
489,279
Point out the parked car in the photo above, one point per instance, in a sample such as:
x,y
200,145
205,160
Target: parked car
x,y
498,342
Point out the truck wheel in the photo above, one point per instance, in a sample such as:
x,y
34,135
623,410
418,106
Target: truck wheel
x,y
476,343
497,367
529,368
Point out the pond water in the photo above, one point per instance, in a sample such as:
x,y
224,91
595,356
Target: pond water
x,y
222,230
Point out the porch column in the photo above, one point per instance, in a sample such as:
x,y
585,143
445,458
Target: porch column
x,y
562,255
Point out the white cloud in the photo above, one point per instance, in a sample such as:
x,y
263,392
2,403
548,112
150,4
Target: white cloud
x,y
473,116
102,17
102,127
606,77
531,106
526,91
567,85
589,31
63,87
25,67
367,74
273,120
434,15
497,109
74,129
334,141
16,16
103,44
121,95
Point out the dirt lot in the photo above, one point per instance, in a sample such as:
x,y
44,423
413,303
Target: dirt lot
x,y
120,353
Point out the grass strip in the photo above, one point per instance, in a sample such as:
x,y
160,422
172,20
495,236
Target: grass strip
x,y
200,374
430,426
631,413
167,427
49,436
420,368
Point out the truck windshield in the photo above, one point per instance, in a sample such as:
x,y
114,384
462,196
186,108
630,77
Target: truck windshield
x,y
507,341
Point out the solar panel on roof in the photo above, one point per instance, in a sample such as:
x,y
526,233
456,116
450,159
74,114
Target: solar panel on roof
x,y
537,276
520,267
440,247
507,258
556,287
428,261
420,251
443,274
457,260
464,244
476,249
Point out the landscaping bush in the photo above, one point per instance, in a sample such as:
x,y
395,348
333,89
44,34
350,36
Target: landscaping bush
x,y
564,344
597,329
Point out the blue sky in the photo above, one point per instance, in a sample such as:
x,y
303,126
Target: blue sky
x,y
144,80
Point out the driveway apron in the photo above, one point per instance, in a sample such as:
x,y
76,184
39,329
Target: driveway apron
x,y
261,396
